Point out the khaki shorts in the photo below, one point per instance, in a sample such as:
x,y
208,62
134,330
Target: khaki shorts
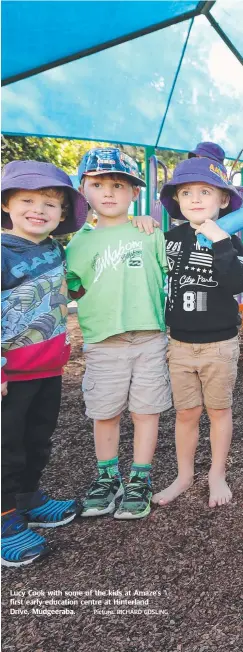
x,y
127,370
203,373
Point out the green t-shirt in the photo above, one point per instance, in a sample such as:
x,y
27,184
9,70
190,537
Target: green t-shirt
x,y
123,273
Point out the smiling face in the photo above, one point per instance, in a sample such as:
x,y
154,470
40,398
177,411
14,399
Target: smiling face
x,y
110,195
35,213
200,201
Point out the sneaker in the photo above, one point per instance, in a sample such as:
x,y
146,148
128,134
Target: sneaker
x,y
136,499
46,512
102,494
20,546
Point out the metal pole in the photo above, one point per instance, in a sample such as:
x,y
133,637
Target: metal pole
x,y
165,221
149,151
138,203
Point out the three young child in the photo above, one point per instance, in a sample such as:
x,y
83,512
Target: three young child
x,y
119,274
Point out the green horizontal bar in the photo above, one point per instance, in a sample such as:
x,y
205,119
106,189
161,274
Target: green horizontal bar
x,y
12,134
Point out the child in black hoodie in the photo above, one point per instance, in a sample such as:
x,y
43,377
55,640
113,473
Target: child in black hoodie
x,y
203,315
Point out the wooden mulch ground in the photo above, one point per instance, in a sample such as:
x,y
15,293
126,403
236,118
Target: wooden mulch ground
x,y
187,554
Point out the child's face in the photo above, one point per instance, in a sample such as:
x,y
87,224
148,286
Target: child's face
x,y
200,201
109,195
34,215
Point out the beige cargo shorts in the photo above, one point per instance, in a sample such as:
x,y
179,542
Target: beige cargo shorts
x,y
127,370
203,373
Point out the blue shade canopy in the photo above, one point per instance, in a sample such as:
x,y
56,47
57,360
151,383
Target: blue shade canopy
x,y
43,33
228,15
170,88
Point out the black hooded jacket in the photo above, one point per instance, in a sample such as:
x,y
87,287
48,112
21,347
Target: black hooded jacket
x,y
203,284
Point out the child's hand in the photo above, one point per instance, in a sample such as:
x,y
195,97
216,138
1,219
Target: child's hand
x,y
212,231
4,389
145,223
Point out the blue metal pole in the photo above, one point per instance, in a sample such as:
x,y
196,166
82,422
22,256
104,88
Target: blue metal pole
x,y
149,151
138,203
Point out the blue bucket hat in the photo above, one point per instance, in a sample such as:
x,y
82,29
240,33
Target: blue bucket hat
x,y
34,175
198,170
210,150
109,160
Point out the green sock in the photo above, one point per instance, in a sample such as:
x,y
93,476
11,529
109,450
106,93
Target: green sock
x,y
110,466
141,470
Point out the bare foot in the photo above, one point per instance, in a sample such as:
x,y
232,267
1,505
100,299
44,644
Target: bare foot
x,y
173,491
220,493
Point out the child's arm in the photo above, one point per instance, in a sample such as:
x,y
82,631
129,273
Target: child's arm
x,y
228,257
4,384
161,251
75,288
228,262
74,282
76,295
212,231
145,223
4,389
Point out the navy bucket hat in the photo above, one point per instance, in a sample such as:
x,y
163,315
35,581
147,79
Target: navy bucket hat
x,y
198,170
110,160
34,175
210,150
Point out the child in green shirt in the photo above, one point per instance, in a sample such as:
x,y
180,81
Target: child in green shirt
x,y
121,315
